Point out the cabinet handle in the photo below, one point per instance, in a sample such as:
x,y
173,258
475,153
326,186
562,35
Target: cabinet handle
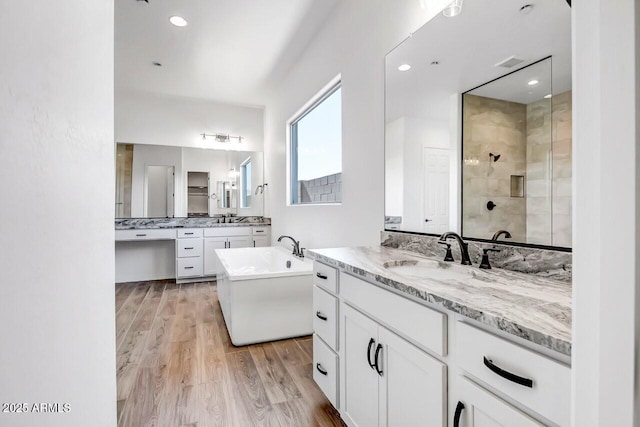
x,y
456,416
188,249
141,235
321,276
321,316
225,245
254,243
188,234
229,243
378,367
371,343
188,268
321,369
508,375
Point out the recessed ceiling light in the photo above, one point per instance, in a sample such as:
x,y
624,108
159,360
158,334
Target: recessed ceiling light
x,y
404,67
548,96
178,21
533,82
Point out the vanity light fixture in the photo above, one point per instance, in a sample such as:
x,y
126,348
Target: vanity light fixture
x,y
533,82
221,137
454,9
178,21
547,96
404,67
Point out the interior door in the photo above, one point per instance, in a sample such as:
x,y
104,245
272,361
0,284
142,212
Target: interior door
x,y
476,407
435,175
360,391
413,388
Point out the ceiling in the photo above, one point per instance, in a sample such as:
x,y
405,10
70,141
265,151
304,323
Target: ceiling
x,y
467,48
230,51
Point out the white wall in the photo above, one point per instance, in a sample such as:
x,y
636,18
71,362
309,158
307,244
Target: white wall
x,y
143,118
353,43
606,96
56,141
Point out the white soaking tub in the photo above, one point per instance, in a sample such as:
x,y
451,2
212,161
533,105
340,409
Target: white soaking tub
x,y
261,298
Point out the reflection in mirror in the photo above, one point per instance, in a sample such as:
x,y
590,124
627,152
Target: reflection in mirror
x,y
508,182
191,186
159,193
226,194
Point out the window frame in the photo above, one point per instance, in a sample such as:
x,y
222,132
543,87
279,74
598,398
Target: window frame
x,y
292,138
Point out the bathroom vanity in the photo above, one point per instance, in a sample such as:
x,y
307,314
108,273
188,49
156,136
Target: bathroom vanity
x,y
180,248
405,339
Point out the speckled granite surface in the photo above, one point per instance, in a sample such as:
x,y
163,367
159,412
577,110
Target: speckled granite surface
x,y
541,262
210,222
535,308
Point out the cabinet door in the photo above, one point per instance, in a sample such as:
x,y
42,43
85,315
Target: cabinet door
x,y
239,242
210,246
476,407
360,384
260,241
413,384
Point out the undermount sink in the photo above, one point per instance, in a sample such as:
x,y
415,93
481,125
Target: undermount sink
x,y
428,269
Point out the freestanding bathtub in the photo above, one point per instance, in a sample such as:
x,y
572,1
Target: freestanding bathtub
x,y
265,294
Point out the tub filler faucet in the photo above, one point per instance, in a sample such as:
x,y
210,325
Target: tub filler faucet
x,y
297,250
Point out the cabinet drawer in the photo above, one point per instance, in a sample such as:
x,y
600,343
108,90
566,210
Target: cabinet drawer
x,y
154,234
325,370
227,231
189,267
260,231
424,326
189,247
325,317
326,277
189,233
532,379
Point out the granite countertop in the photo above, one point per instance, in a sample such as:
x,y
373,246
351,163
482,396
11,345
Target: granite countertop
x,y
535,308
209,222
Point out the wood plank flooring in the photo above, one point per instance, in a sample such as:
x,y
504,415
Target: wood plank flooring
x,y
176,366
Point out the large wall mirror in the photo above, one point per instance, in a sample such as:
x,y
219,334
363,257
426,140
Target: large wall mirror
x,y
478,124
154,181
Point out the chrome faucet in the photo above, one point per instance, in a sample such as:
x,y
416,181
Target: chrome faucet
x,y
464,247
297,250
499,233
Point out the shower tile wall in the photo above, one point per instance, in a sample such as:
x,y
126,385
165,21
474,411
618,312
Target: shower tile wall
x,y
499,127
562,171
549,205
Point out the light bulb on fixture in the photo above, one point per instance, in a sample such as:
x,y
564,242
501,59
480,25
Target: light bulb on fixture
x,y
404,67
533,82
453,9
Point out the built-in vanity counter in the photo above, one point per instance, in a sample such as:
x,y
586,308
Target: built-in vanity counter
x,y
405,339
181,248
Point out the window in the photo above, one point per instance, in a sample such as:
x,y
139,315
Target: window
x,y
245,183
316,151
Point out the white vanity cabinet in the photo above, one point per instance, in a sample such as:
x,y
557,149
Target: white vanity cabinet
x,y
384,359
261,236
476,407
530,379
386,380
188,253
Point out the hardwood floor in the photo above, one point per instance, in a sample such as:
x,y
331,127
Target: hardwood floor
x,y
176,366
